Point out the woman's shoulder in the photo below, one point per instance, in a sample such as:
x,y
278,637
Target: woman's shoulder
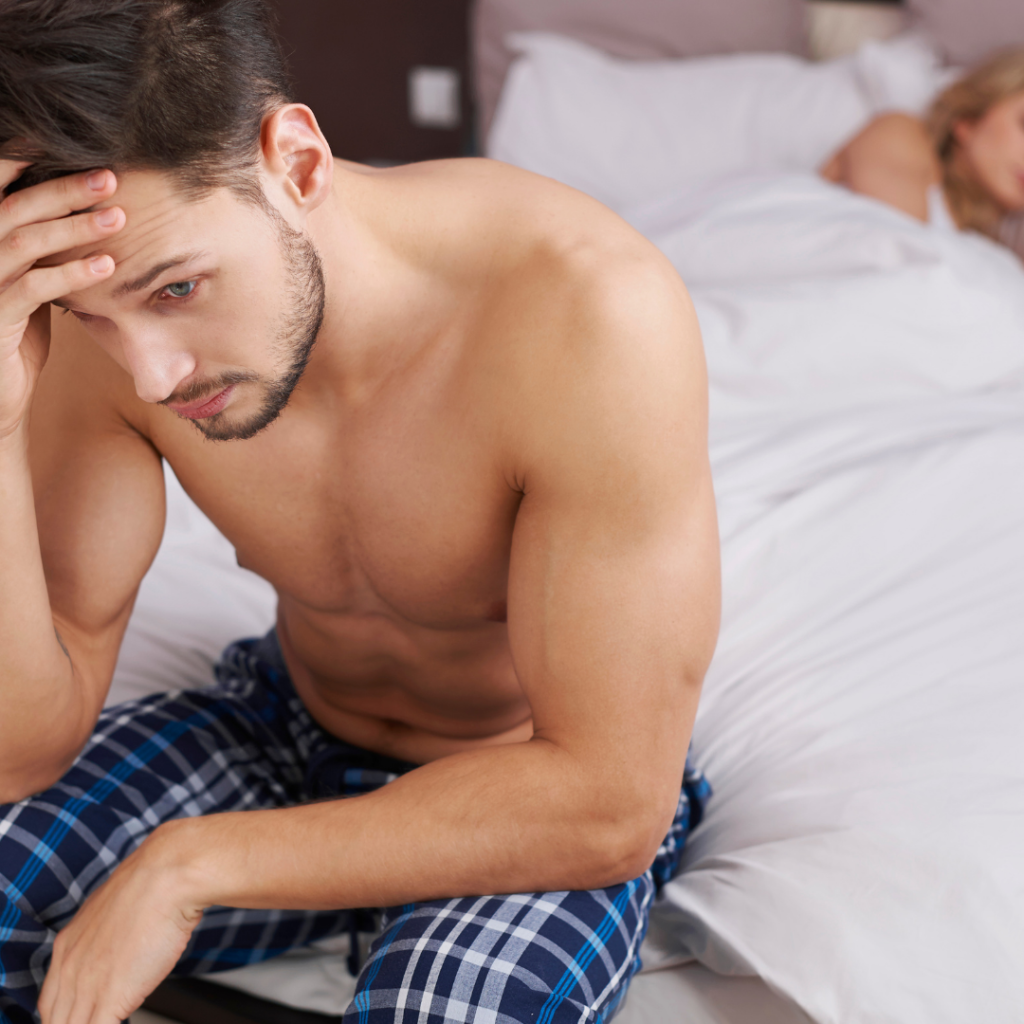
x,y
892,159
897,139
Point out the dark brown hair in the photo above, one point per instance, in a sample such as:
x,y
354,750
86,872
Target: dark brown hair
x,y
171,85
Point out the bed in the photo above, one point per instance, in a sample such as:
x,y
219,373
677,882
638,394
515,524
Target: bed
x,y
863,720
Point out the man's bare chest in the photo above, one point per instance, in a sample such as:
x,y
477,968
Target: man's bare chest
x,y
411,527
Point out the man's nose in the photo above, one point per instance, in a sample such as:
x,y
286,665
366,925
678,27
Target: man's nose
x,y
157,366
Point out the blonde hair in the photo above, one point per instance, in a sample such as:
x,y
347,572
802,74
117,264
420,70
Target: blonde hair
x,y
969,99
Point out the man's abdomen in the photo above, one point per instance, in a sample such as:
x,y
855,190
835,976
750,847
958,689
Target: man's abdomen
x,y
399,689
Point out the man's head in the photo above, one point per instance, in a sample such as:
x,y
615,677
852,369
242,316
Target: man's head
x,y
218,292
170,85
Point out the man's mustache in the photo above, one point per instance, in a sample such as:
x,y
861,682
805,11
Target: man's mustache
x,y
200,389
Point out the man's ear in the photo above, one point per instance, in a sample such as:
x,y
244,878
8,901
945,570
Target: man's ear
x,y
298,166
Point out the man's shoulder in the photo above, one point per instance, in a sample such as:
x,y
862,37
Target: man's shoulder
x,y
499,223
597,291
548,250
591,325
577,319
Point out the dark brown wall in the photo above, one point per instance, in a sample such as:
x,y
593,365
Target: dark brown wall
x,y
351,60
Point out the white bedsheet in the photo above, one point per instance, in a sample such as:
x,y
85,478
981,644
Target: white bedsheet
x,y
862,720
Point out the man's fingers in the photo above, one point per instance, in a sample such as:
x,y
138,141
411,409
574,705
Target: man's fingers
x,y
83,1010
44,284
48,995
107,1017
101,1015
24,246
10,170
55,199
72,999
68,1006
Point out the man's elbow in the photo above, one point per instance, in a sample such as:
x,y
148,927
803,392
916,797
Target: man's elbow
x,y
32,759
623,849
20,779
15,788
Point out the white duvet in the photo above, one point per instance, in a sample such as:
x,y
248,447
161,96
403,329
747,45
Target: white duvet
x,y
863,720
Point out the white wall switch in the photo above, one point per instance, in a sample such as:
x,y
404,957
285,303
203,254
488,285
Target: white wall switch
x,y
434,100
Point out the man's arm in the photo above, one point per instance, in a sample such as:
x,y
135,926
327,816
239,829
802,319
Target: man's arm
x,y
81,498
99,510
613,608
613,613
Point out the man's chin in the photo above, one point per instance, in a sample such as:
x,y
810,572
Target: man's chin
x,y
231,426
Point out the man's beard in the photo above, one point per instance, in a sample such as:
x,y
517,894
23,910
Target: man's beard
x,y
297,335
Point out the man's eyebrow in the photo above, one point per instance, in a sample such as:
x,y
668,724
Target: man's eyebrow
x,y
154,272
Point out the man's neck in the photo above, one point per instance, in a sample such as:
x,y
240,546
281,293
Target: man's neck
x,y
381,308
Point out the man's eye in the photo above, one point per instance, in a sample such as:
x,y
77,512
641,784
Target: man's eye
x,y
78,316
181,289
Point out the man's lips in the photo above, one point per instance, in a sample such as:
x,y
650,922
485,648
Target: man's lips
x,y
205,408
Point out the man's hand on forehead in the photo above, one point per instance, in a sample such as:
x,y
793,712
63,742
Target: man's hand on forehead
x,y
56,216
37,224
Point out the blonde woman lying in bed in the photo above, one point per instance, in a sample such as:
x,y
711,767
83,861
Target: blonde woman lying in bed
x,y
963,166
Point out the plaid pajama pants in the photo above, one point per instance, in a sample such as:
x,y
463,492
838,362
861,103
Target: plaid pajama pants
x,y
248,742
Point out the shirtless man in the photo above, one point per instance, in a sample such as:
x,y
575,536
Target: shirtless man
x,y
486,509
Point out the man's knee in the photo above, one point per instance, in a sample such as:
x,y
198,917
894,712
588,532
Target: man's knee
x,y
549,957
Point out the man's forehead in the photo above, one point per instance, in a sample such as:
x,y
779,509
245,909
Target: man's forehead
x,y
162,228
152,206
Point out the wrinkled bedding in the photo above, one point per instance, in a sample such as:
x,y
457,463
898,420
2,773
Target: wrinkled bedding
x,y
862,720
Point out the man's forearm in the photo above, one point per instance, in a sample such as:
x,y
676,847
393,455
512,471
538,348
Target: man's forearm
x,y
37,695
520,818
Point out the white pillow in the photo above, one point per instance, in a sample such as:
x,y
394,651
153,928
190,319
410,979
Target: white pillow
x,y
902,74
627,132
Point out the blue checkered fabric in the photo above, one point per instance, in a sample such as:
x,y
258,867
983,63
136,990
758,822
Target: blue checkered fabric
x,y
248,742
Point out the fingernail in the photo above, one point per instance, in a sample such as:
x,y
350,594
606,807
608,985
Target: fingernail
x,y
97,180
107,218
100,264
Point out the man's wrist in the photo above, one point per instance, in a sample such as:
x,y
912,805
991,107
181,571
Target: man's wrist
x,y
176,852
14,439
